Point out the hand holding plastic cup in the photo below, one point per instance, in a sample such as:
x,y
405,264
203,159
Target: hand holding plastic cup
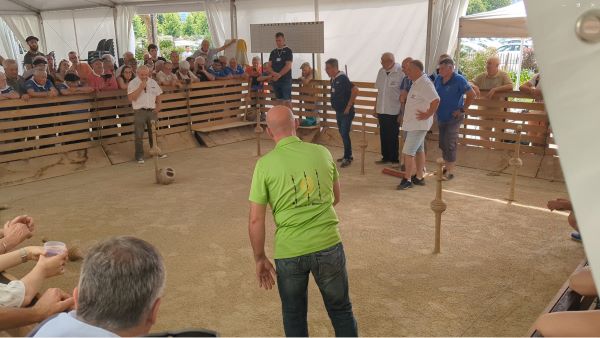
x,y
53,248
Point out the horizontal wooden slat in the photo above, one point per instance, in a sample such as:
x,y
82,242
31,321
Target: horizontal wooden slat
x,y
46,151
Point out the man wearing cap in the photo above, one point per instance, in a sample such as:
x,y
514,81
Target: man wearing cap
x,y
83,69
388,107
305,78
451,88
39,63
143,92
32,42
40,86
280,61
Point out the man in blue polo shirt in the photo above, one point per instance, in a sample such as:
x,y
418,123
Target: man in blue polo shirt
x,y
39,85
280,62
451,88
343,95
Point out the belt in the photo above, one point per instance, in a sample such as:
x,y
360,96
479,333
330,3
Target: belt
x,y
145,109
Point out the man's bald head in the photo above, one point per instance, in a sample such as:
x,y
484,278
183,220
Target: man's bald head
x,y
281,122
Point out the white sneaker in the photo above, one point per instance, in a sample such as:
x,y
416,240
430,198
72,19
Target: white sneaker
x,y
140,161
162,156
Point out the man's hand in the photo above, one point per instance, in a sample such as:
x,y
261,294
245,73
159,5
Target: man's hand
x,y
491,93
52,302
17,230
276,76
265,273
457,114
52,266
422,115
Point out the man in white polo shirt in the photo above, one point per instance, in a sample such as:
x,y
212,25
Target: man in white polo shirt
x,y
143,92
388,107
422,102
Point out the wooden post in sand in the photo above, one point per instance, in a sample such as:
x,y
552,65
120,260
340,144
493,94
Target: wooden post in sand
x,y
515,162
363,147
258,129
438,206
155,151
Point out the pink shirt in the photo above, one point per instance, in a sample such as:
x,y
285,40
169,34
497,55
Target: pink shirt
x,y
100,84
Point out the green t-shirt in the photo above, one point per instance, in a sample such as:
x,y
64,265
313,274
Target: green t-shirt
x,y
296,179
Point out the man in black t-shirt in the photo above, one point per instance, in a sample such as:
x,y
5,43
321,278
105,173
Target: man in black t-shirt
x,y
33,51
280,62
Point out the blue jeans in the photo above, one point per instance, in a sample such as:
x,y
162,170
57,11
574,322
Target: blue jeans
x,y
328,268
283,90
344,122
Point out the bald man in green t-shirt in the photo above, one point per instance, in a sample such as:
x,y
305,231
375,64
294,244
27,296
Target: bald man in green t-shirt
x,y
300,182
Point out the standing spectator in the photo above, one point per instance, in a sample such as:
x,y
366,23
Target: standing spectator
x,y
13,79
153,51
83,69
217,69
73,86
280,62
305,81
188,52
40,86
33,51
7,92
451,88
494,79
64,67
343,95
166,77
100,80
256,80
236,70
201,71
209,54
119,292
126,76
185,75
143,92
307,238
421,104
174,57
388,107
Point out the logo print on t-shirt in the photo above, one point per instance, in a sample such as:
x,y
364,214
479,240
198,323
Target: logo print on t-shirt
x,y
307,189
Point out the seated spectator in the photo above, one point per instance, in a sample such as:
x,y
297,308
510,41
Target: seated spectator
x,y
174,57
236,70
7,92
494,79
128,59
73,86
64,67
51,68
166,77
223,61
158,67
33,51
153,51
219,72
192,62
119,292
257,76
109,64
533,87
209,54
150,65
82,69
39,63
40,86
305,78
307,73
100,80
125,77
202,73
562,204
13,78
184,74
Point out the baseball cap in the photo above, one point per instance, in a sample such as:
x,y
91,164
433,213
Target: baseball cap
x,y
39,60
71,77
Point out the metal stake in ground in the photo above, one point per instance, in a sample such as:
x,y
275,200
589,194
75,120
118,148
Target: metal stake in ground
x,y
438,206
515,162
258,129
166,175
363,148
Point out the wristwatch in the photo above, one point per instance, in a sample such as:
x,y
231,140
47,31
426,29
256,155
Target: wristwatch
x,y
24,255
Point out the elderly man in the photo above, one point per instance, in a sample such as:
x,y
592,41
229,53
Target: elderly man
x,y
119,292
451,88
101,80
83,69
40,86
343,95
493,79
13,78
209,54
143,92
33,51
6,91
421,104
203,73
387,107
300,182
39,63
218,71
236,70
280,63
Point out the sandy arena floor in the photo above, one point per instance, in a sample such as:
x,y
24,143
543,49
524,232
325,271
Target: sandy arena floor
x,y
500,265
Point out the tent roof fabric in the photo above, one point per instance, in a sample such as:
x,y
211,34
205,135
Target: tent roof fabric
x,y
505,22
37,6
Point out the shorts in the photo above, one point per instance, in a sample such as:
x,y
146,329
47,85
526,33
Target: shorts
x,y
283,90
414,142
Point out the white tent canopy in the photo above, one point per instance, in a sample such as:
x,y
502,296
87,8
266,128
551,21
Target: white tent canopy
x,y
505,22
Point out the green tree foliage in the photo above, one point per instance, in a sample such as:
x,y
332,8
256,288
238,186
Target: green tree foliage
x,y
139,27
196,25
171,25
478,6
475,66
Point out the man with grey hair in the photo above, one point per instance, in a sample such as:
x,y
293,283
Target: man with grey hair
x,y
119,292
387,107
493,79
